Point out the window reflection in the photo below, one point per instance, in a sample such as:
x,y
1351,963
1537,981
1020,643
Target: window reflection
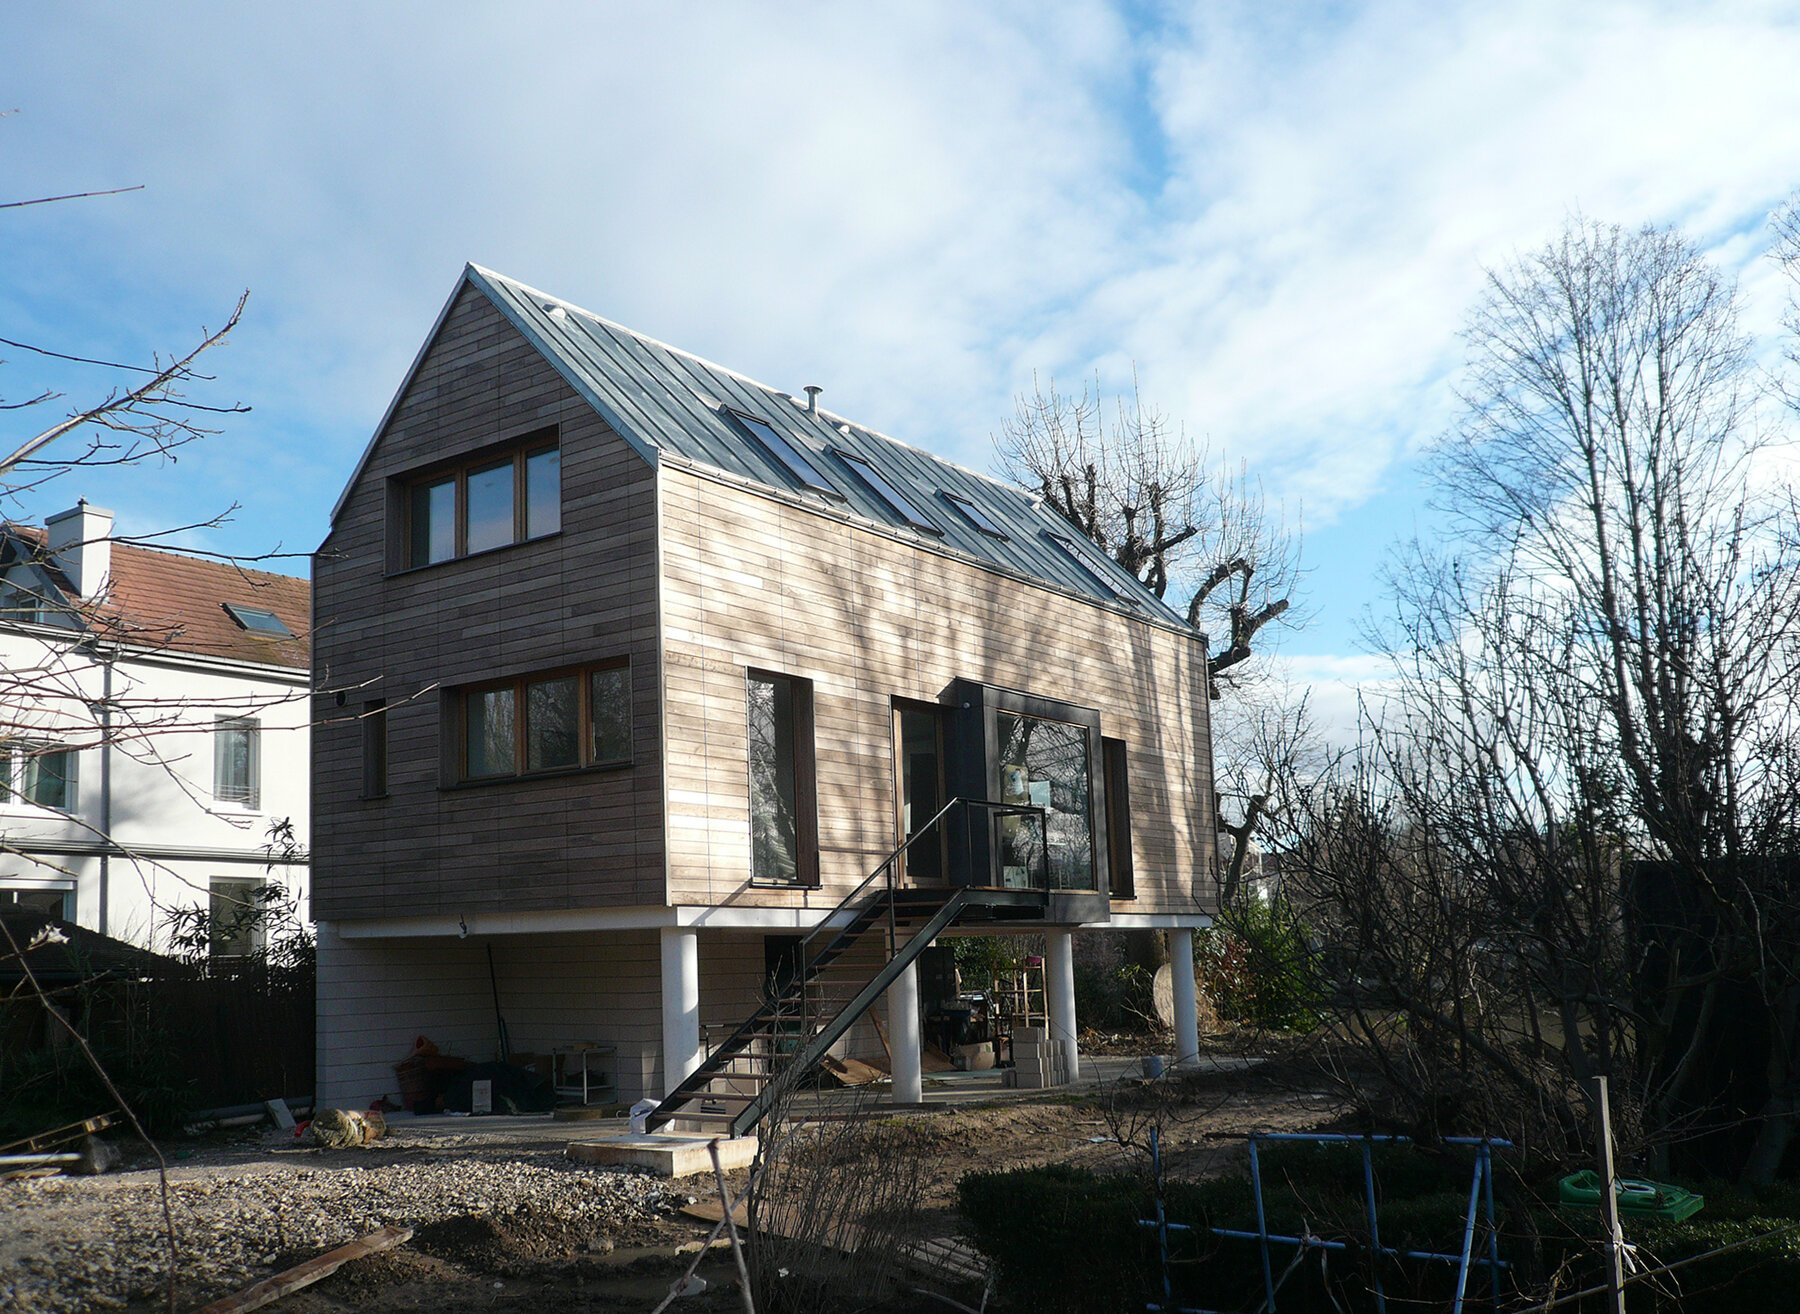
x,y
1044,763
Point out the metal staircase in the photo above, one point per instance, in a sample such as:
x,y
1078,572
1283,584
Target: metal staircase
x,y
810,1007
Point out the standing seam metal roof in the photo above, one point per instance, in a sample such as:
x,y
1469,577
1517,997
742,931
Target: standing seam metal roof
x,y
661,399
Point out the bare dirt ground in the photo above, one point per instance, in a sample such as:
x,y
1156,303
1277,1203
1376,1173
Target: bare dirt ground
x,y
506,1222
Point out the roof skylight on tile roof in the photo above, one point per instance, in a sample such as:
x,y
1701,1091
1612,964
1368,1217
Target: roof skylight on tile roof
x,y
786,453
258,621
976,516
896,501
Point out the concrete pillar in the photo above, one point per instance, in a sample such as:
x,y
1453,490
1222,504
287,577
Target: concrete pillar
x,y
903,1036
1059,984
680,1004
1181,978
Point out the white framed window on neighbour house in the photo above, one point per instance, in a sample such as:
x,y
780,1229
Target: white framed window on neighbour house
x,y
237,760
40,774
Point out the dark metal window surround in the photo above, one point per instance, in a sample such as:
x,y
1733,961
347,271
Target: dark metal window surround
x,y
488,503
902,506
976,517
784,841
237,760
541,724
785,452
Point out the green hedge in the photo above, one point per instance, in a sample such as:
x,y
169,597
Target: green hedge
x,y
1063,1238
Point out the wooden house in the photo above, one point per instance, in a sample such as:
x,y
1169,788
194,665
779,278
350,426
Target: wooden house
x,y
643,689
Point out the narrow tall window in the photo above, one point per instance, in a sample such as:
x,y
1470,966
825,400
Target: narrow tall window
x,y
1118,820
543,492
783,819
374,743
490,509
433,515
237,764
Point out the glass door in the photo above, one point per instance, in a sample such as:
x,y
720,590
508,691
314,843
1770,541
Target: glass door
x,y
919,788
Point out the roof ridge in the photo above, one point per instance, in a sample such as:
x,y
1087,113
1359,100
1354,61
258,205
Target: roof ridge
x,y
822,413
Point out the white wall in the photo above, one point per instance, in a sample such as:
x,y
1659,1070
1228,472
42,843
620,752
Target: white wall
x,y
159,750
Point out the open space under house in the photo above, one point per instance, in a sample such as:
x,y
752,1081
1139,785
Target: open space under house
x,y
666,712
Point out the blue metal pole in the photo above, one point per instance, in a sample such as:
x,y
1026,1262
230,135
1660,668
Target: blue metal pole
x,y
1468,1243
1374,1227
1487,1169
1262,1224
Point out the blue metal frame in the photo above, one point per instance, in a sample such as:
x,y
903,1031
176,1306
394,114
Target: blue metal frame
x,y
1481,1196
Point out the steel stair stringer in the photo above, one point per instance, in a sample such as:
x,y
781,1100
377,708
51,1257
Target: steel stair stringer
x,y
695,1089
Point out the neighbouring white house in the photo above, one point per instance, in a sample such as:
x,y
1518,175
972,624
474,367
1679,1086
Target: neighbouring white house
x,y
154,739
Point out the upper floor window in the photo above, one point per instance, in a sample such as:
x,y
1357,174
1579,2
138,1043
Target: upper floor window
x,y
41,774
553,722
486,504
237,760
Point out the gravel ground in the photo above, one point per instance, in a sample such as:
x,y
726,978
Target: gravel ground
x,y
77,1244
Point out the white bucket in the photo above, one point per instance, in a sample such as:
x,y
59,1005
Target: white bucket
x,y
639,1112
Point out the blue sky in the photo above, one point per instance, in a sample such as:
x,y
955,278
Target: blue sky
x,y
1278,213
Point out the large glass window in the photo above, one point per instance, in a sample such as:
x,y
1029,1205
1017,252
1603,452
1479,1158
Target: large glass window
x,y
502,500
237,760
783,842
1045,763
552,722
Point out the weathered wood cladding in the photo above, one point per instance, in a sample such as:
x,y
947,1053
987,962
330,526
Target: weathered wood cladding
x,y
755,581
585,594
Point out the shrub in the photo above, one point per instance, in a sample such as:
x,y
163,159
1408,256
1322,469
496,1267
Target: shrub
x,y
1255,965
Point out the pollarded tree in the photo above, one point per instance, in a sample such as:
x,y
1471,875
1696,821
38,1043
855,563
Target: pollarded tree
x,y
1192,530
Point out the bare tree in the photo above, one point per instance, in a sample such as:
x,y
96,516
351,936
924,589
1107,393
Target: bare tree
x,y
1567,847
1140,489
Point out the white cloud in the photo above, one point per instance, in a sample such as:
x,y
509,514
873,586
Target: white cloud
x,y
1278,214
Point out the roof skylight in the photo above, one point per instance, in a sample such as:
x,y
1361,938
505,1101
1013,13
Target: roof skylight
x,y
976,516
258,621
897,502
791,458
1075,558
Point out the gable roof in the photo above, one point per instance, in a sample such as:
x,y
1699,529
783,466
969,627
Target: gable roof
x,y
663,400
175,602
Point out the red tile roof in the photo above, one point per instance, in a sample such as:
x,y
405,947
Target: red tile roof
x,y
169,600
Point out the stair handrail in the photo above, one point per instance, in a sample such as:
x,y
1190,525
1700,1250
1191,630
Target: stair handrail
x,y
889,867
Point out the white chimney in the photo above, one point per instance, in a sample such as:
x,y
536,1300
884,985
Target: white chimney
x,y
78,539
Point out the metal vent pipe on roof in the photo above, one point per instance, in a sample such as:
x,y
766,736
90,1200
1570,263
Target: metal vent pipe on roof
x,y
812,398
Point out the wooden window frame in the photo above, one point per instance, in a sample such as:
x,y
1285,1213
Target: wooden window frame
x,y
457,699
519,453
806,783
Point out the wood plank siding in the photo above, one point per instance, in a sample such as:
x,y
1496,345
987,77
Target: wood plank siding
x,y
588,593
754,580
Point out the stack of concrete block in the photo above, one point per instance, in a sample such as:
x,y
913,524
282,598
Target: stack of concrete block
x,y
1038,1061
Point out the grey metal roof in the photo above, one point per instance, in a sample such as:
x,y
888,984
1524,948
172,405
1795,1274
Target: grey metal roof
x,y
660,399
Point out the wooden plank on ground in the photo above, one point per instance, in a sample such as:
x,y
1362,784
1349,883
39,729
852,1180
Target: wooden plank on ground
x,y
304,1275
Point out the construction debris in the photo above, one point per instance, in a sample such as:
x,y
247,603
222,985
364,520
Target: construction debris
x,y
304,1275
340,1129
